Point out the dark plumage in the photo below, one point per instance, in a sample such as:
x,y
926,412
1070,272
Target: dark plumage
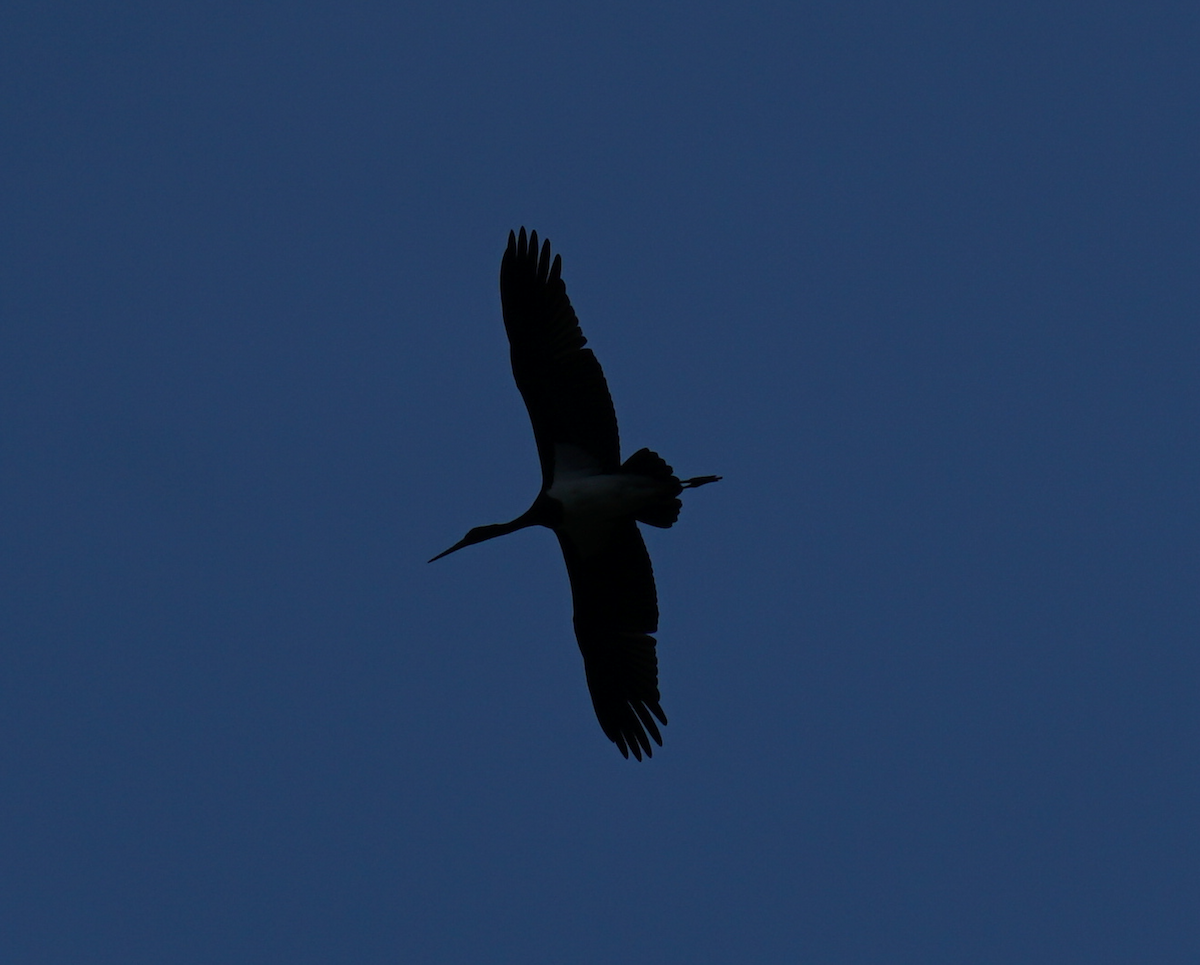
x,y
589,498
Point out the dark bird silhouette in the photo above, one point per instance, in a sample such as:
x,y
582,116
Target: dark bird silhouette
x,y
591,500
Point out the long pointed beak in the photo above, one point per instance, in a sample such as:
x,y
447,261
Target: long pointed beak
x,y
480,533
457,546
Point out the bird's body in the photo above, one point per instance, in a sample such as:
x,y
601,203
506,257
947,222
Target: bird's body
x,y
591,505
590,499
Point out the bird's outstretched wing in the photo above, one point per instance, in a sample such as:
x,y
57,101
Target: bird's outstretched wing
x,y
616,611
560,380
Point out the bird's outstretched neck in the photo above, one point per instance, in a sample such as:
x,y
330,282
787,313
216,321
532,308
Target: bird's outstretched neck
x,y
698,481
531,517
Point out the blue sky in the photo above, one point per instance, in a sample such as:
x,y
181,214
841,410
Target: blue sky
x,y
919,280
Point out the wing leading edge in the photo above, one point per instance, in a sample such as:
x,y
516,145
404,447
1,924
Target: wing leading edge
x,y
561,381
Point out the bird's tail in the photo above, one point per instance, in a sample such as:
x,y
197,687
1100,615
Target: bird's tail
x,y
662,512
647,463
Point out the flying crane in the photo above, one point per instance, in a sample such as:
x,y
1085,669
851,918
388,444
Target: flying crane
x,y
591,499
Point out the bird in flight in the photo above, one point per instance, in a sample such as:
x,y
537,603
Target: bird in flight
x,y
591,499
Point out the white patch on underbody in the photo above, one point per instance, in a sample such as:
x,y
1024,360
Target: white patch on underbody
x,y
592,501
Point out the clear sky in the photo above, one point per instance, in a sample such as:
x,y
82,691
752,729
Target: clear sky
x,y
919,280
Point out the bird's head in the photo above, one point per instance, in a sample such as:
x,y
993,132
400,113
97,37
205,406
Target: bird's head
x,y
535,515
477,535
